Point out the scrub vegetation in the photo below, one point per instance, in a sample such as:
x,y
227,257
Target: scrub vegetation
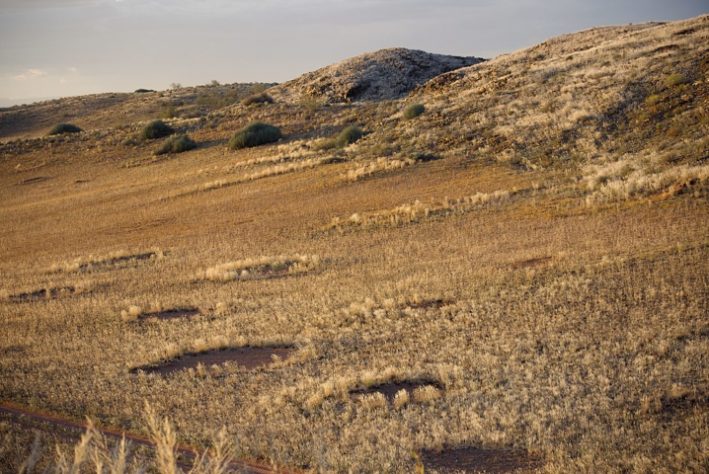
x,y
519,272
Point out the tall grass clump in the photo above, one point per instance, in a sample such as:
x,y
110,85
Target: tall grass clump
x,y
62,128
413,111
157,129
177,144
255,134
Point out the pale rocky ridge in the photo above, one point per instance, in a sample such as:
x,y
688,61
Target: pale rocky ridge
x,y
381,75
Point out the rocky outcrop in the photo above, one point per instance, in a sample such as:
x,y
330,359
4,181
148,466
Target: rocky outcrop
x,y
381,75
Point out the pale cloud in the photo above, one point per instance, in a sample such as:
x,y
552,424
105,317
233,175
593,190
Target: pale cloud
x,y
30,74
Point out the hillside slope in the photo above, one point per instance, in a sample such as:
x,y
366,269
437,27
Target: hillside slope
x,y
384,74
526,260
101,111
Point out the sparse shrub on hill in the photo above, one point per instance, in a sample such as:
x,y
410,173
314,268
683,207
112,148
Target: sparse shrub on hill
x,y
168,111
347,136
157,129
413,111
675,79
255,134
63,128
177,144
143,91
258,99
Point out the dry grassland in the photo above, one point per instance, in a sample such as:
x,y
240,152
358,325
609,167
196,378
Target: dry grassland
x,y
542,287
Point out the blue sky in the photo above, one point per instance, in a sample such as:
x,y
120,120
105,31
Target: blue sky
x,y
52,48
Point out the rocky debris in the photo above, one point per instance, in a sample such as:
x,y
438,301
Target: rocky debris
x,y
381,75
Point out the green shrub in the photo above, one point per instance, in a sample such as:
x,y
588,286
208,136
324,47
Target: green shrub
x,y
63,128
675,79
413,111
157,129
255,134
168,111
349,135
258,99
177,144
425,157
143,91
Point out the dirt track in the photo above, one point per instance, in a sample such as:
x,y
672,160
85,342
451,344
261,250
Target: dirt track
x,y
26,416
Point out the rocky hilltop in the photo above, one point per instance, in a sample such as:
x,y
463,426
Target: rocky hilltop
x,y
384,74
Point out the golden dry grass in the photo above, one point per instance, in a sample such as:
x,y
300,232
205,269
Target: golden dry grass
x,y
556,321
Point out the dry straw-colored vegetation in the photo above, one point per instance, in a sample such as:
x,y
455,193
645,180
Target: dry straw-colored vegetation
x,y
556,308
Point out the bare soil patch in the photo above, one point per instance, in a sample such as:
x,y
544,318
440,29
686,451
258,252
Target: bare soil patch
x,y
472,459
119,261
530,262
42,294
390,389
174,313
36,179
246,357
435,303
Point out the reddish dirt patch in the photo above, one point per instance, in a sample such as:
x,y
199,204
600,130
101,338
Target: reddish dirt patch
x,y
430,304
42,294
36,179
116,261
175,313
390,389
472,459
246,357
530,262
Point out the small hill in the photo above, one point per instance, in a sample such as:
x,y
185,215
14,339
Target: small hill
x,y
622,92
381,75
107,110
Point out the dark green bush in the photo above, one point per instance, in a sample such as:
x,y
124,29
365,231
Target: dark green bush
x,y
63,128
425,157
143,91
177,144
413,111
157,129
258,99
349,135
255,134
676,79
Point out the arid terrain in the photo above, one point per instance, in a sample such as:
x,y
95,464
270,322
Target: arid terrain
x,y
499,266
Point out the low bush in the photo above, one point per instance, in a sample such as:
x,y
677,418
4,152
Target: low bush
x,y
349,135
255,134
413,111
63,128
143,91
675,79
258,99
177,144
157,129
